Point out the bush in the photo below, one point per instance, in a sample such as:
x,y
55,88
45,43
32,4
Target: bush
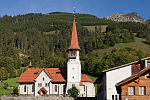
x,y
73,92
5,85
15,90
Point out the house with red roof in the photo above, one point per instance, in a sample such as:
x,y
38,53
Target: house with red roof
x,y
56,81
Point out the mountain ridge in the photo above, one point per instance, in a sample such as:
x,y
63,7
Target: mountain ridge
x,y
129,17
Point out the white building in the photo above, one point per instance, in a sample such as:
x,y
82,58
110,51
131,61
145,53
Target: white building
x,y
107,80
56,81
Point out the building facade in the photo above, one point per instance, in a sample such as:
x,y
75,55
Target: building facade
x,y
57,81
107,80
135,87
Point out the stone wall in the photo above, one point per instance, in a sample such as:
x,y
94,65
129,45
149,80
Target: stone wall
x,y
35,98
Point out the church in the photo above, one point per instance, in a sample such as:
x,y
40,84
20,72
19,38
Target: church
x,y
56,81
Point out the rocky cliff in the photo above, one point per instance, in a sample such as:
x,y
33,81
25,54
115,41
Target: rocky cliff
x,y
133,17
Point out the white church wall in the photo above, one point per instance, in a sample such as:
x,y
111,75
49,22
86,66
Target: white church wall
x,y
58,88
42,79
89,89
81,91
113,77
28,89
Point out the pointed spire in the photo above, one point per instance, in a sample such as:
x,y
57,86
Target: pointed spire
x,y
74,38
30,64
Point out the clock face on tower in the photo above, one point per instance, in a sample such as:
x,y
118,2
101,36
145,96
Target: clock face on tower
x,y
72,54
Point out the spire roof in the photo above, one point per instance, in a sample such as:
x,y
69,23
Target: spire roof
x,y
30,64
74,38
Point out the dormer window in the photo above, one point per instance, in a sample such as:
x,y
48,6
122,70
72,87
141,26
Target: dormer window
x,y
35,73
57,72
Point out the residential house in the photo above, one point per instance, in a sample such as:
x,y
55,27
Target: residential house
x,y
135,87
107,80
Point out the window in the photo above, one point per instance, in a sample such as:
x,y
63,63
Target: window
x,y
46,84
84,87
131,90
73,85
64,88
115,97
39,84
148,64
25,88
32,88
55,88
43,78
142,90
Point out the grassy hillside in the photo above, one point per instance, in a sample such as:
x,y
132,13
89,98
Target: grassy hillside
x,y
101,28
138,44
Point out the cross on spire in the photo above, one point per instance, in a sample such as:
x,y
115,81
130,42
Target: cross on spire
x,y
74,9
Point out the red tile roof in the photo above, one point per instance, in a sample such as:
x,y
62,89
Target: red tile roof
x,y
29,75
85,78
57,75
74,38
81,84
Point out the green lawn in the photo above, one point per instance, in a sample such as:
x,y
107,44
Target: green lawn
x,y
11,82
5,91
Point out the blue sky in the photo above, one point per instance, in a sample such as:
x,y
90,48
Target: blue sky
x,y
99,8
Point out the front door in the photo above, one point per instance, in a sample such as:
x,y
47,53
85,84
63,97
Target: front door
x,y
42,91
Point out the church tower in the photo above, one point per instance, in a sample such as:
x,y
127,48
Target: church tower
x,y
73,64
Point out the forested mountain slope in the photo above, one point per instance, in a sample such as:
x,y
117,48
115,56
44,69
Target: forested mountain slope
x,y
44,38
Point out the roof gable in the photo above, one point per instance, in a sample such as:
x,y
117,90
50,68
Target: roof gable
x,y
125,65
133,77
114,68
43,76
